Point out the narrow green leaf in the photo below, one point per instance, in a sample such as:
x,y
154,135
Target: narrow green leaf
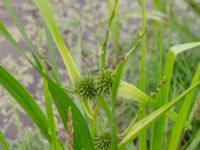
x,y
52,51
3,142
149,119
64,52
195,6
129,91
184,31
158,130
115,88
160,5
142,143
195,141
183,114
82,138
25,100
150,15
21,29
11,40
50,116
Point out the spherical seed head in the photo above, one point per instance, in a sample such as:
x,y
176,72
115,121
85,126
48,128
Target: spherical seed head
x,y
104,81
85,87
102,141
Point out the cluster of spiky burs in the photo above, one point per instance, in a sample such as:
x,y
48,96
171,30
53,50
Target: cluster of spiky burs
x,y
85,87
104,81
102,140
89,88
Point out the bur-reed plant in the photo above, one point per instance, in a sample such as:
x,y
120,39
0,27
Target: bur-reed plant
x,y
101,90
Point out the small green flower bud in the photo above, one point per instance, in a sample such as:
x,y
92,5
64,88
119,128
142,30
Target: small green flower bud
x,y
102,140
85,87
104,81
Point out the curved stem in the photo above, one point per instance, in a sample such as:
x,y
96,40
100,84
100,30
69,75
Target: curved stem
x,y
96,110
102,50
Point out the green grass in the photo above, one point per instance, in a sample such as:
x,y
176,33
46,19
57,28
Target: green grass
x,y
164,108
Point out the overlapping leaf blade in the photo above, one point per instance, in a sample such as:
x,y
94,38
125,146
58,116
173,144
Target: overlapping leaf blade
x,y
159,127
182,116
25,100
149,119
82,138
131,92
64,52
21,29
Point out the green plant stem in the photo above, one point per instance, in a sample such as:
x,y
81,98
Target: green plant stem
x,y
93,124
160,5
98,105
141,113
85,109
115,88
55,76
103,49
115,28
50,116
129,127
171,11
106,109
47,15
96,110
143,47
68,90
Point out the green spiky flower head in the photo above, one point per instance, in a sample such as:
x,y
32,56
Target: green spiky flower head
x,y
102,140
85,87
104,81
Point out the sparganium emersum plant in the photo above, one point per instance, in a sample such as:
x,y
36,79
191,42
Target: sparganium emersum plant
x,y
99,93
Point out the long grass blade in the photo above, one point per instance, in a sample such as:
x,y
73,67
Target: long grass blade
x,y
182,116
195,142
183,31
12,41
82,138
131,92
115,88
50,116
160,5
64,52
142,111
25,100
149,119
159,127
52,51
150,15
21,29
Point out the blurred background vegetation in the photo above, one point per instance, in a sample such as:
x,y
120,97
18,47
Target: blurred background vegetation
x,y
83,25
